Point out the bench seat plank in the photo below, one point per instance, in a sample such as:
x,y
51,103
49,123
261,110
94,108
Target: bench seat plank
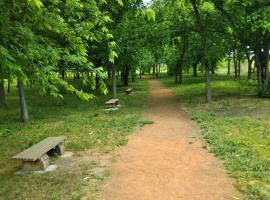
x,y
129,90
38,150
112,101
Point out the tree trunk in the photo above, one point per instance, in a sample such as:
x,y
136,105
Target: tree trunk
x,y
133,75
78,75
250,61
208,83
140,73
170,71
238,68
126,76
97,83
154,69
229,66
212,69
205,49
114,83
9,85
195,72
23,105
63,74
157,71
235,63
261,70
177,72
265,58
180,75
259,74
2,94
249,69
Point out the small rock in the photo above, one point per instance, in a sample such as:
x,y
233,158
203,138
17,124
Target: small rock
x,y
50,168
86,178
67,154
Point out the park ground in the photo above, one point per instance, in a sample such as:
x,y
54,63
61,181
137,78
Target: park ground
x,y
92,135
235,128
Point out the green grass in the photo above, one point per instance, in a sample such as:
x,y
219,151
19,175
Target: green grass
x,y
236,127
85,124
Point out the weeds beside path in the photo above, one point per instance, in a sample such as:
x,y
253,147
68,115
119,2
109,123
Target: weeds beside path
x,y
235,127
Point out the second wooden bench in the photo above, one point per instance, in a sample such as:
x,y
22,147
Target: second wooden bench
x,y
113,103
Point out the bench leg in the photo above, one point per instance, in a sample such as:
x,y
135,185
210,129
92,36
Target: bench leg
x,y
59,149
39,164
111,106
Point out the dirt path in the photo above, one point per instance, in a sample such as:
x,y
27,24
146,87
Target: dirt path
x,y
165,160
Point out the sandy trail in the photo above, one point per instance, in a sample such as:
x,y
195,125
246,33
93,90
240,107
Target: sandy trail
x,y
165,160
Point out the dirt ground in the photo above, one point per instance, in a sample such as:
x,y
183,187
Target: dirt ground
x,y
166,160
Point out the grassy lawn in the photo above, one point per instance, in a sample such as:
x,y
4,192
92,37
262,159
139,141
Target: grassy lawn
x,y
85,124
236,127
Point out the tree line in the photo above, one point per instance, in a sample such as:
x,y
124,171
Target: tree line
x,y
192,34
45,44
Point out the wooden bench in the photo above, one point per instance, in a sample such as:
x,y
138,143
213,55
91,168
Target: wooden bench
x,y
113,103
36,157
129,91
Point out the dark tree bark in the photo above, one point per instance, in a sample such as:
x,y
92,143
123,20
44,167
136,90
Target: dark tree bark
x,y
238,68
2,94
126,76
97,83
9,85
154,70
195,70
177,72
250,61
208,83
78,75
262,65
212,69
157,71
114,82
195,65
229,65
181,74
249,70
23,105
235,63
170,70
133,75
63,74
